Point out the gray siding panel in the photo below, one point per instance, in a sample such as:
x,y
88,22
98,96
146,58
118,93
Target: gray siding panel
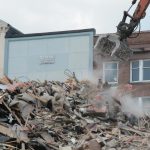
x,y
47,57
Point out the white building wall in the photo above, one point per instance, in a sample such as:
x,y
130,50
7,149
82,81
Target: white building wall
x,y
3,30
47,57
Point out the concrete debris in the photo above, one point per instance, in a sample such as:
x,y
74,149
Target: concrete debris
x,y
65,148
71,115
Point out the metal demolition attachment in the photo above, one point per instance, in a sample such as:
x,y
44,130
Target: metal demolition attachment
x,y
116,44
110,45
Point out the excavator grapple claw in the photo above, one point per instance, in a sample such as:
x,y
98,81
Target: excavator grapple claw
x,y
111,45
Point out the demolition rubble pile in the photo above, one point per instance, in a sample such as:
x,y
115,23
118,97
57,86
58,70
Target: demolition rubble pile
x,y
71,115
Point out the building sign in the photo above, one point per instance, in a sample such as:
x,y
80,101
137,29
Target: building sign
x,y
47,60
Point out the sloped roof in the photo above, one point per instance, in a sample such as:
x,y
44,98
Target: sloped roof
x,y
11,30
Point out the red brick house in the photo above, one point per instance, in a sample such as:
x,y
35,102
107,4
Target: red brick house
x,y
135,71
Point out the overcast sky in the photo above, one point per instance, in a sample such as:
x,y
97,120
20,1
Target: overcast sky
x,y
34,16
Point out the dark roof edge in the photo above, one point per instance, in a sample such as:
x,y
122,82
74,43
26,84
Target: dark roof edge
x,y
141,32
53,33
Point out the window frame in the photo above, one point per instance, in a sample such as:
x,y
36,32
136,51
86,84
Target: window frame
x,y
110,62
141,102
141,67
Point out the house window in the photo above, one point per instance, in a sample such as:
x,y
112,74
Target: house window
x,y
144,102
135,71
140,71
110,72
146,70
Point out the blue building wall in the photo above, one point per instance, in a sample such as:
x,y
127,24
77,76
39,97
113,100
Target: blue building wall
x,y
47,56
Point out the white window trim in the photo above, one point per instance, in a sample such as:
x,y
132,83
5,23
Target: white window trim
x,y
140,71
141,100
104,71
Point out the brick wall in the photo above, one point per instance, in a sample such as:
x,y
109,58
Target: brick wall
x,y
142,42
141,46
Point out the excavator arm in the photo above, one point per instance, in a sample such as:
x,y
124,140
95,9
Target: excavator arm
x,y
116,44
124,29
141,10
